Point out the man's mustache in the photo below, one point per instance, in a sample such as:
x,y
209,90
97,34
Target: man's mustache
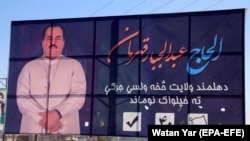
x,y
53,45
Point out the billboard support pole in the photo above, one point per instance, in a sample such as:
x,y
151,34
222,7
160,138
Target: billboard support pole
x,y
3,83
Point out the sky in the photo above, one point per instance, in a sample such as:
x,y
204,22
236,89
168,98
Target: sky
x,y
15,10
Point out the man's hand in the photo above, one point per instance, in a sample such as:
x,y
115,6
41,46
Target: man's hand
x,y
53,124
55,128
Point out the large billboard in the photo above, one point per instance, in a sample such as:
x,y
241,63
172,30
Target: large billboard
x,y
116,75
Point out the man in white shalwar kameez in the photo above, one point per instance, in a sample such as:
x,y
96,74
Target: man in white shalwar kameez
x,y
51,89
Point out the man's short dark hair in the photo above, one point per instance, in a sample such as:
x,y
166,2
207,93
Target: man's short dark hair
x,y
1,94
53,25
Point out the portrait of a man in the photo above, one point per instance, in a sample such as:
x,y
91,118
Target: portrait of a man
x,y
51,88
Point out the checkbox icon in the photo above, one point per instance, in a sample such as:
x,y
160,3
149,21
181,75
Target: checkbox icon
x,y
132,121
197,119
164,118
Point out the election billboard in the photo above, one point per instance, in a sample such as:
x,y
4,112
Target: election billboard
x,y
116,75
2,107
